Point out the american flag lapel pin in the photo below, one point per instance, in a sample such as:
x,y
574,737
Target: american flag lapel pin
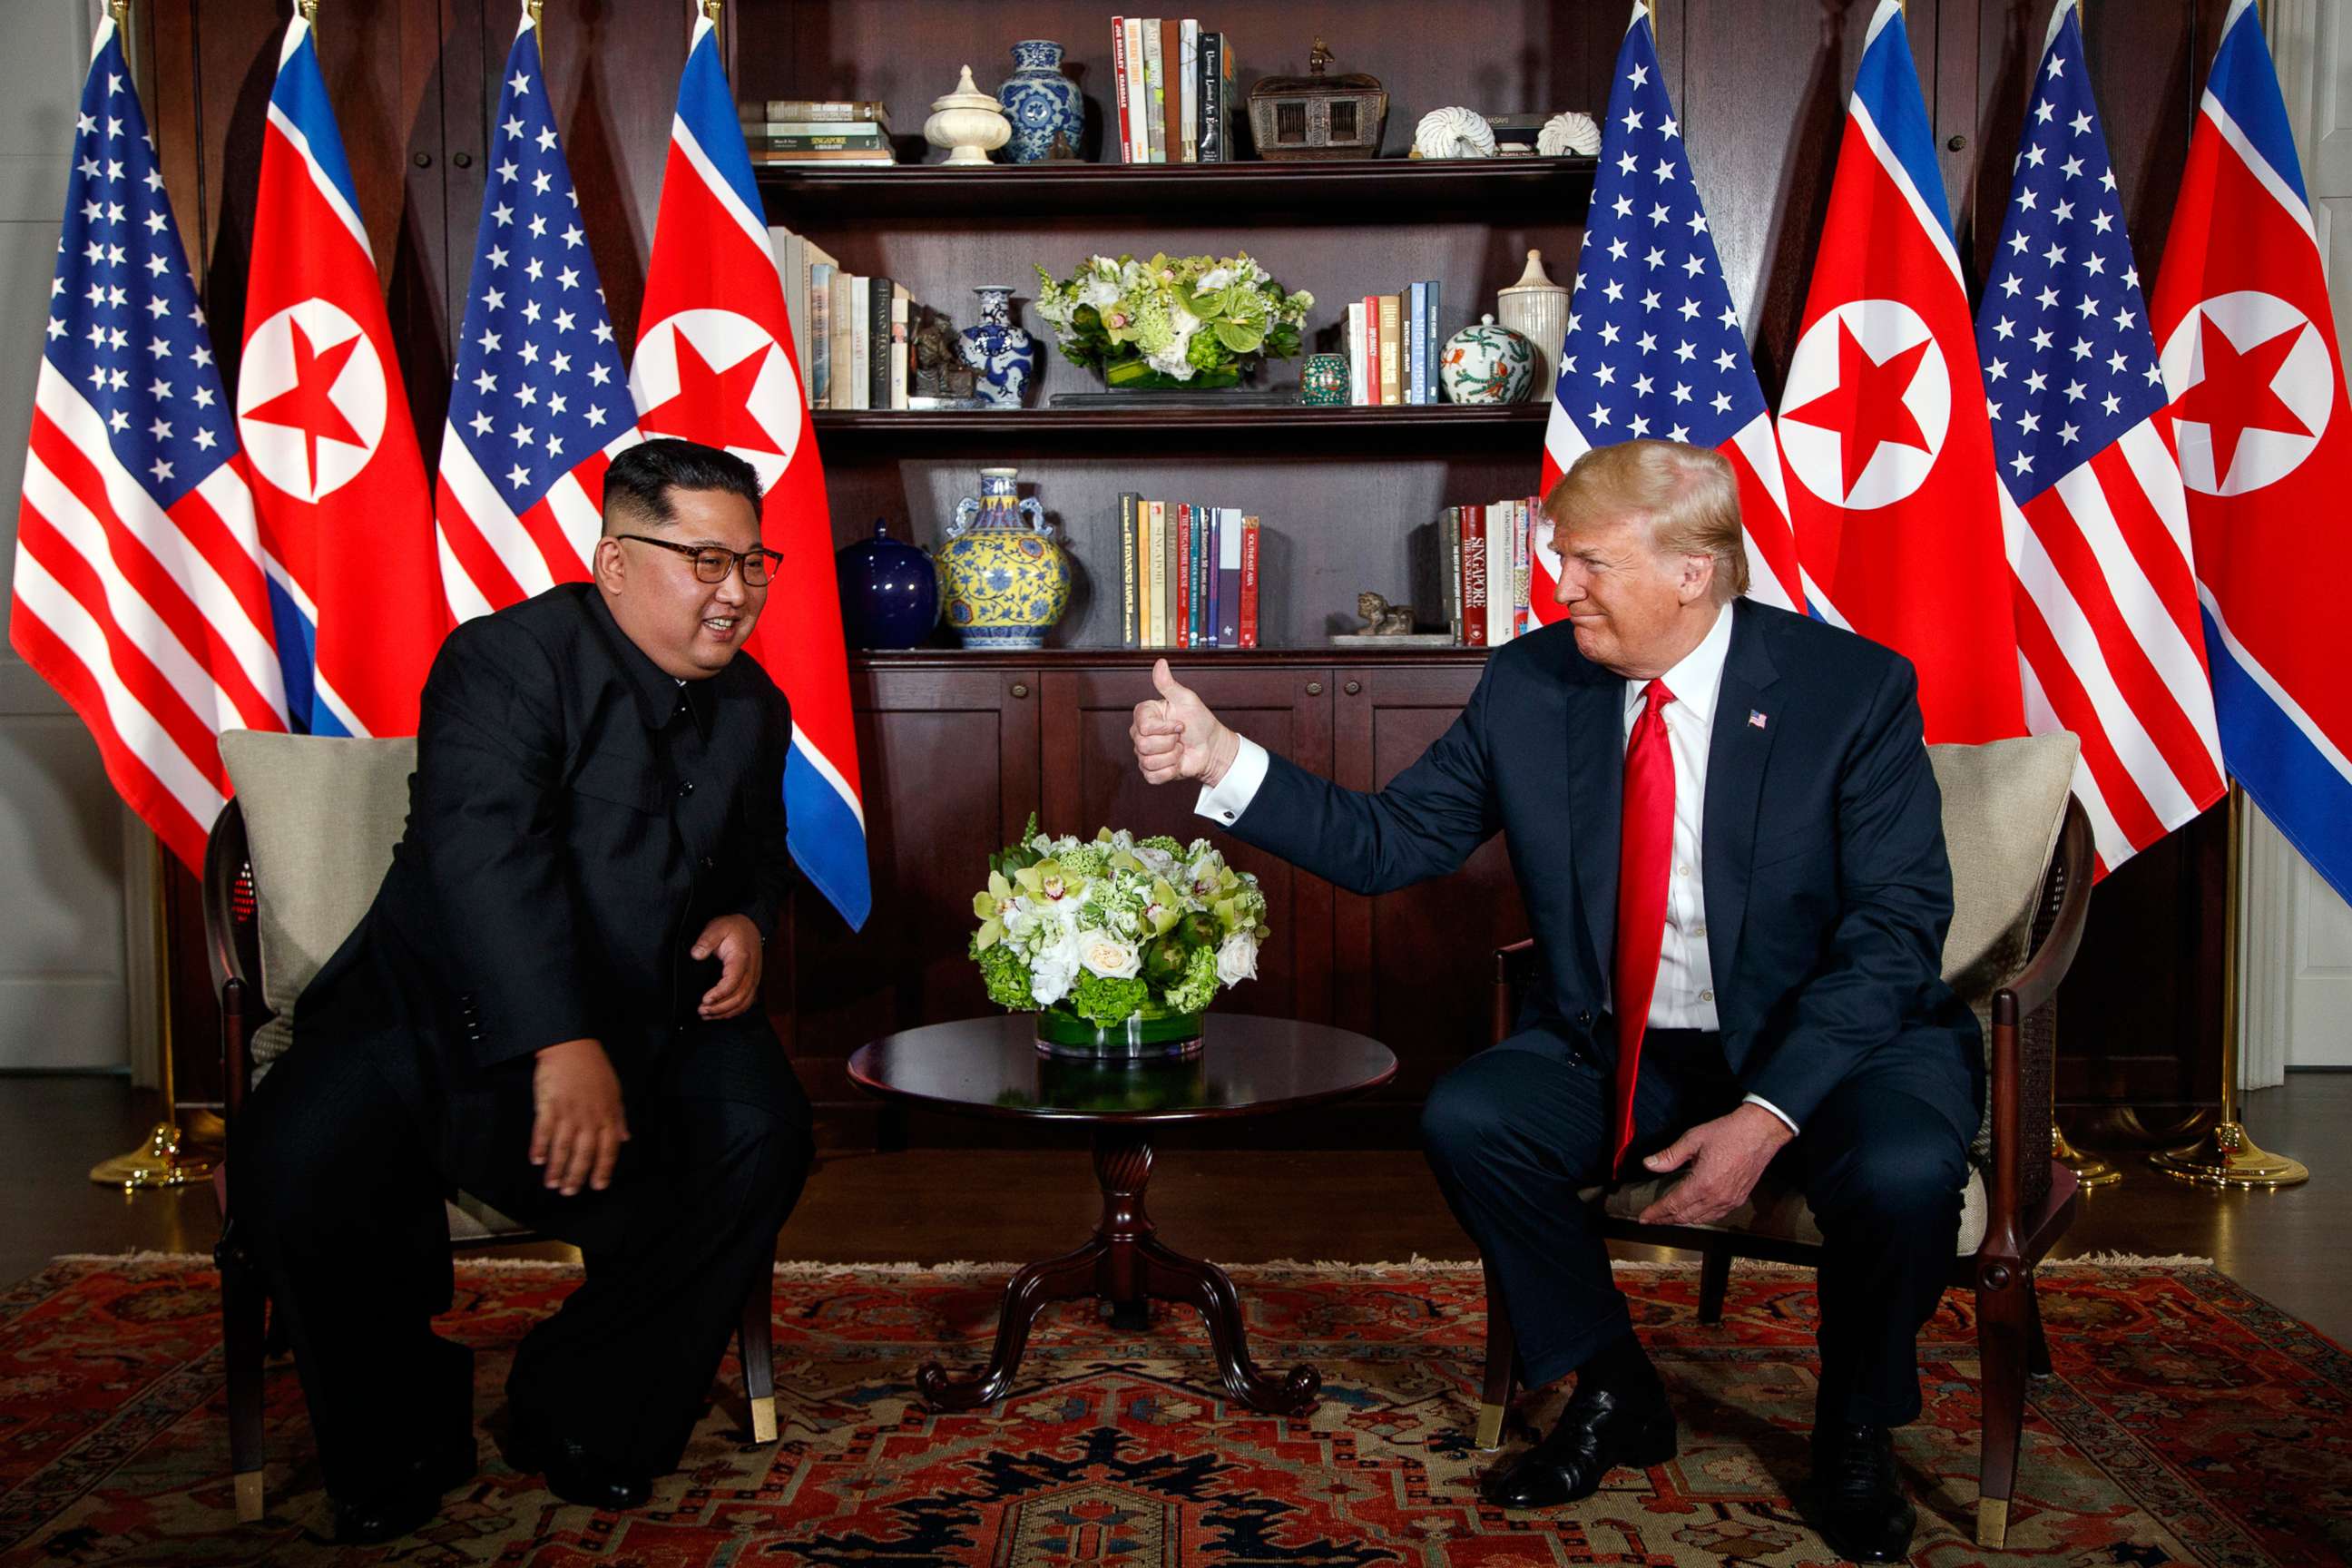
x,y
1755,719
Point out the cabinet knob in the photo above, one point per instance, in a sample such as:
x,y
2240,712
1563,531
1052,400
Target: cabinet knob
x,y
1019,689
1352,688
421,160
463,160
1314,689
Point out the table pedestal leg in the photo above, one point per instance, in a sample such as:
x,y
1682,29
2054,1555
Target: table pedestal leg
x,y
1123,1264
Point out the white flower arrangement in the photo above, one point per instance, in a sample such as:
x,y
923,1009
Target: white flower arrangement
x,y
1119,926
1171,320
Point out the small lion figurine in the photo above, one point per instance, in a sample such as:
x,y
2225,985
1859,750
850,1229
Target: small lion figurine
x,y
1382,619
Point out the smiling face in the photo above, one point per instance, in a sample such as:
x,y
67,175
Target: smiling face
x,y
689,628
1636,610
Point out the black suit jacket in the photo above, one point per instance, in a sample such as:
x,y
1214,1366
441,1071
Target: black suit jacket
x,y
575,818
1828,891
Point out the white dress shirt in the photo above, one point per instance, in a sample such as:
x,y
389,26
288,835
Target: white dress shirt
x,y
1684,995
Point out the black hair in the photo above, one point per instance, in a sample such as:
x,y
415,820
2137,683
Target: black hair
x,y
638,482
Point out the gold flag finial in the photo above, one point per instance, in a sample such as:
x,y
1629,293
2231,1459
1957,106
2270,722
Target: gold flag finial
x,y
532,9
120,10
309,9
711,8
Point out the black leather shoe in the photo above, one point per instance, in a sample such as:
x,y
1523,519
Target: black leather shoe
x,y
1864,1514
1598,1431
411,1504
575,1475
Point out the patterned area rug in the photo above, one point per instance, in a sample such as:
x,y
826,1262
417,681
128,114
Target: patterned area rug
x,y
2187,1422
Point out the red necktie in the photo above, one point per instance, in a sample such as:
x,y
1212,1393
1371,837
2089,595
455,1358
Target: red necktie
x,y
1645,855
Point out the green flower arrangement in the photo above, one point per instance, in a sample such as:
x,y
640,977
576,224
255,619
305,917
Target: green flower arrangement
x,y
1188,321
1114,929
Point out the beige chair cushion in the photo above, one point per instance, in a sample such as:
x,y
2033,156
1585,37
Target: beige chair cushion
x,y
321,816
1781,1211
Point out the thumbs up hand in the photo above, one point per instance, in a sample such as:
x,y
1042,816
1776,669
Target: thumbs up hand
x,y
1176,736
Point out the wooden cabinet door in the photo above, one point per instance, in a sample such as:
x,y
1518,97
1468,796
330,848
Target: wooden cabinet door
x,y
949,759
1420,960
1091,781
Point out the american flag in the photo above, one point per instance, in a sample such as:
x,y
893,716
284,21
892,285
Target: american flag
x,y
539,403
139,590
1653,347
2109,645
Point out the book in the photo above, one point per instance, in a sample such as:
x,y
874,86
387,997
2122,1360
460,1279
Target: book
x,y
1155,93
1372,351
1175,629
842,378
901,306
861,343
1230,103
1139,96
1127,569
791,266
1359,391
1474,577
1229,577
1204,552
1415,351
842,160
1498,541
1391,326
855,130
1522,563
1188,91
870,142
818,356
1249,582
1209,138
1182,635
1449,568
1148,621
754,110
1120,93
1433,344
877,358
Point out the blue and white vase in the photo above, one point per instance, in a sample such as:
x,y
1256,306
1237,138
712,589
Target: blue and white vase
x,y
1039,100
1002,356
1007,577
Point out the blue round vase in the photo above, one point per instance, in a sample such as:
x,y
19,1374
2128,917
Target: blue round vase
x,y
889,592
1002,356
1039,100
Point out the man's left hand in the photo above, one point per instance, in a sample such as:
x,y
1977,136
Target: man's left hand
x,y
1725,1156
736,942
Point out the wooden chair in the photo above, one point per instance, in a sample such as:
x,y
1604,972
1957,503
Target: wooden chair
x,y
2028,1199
232,929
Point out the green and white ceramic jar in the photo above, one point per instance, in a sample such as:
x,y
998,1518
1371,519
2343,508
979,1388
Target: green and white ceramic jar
x,y
1487,364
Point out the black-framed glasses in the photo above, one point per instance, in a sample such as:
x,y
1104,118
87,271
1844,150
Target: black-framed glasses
x,y
711,563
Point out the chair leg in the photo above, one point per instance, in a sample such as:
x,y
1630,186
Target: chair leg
x,y
759,1359
1714,1280
2037,1352
244,1307
2003,1337
1502,1354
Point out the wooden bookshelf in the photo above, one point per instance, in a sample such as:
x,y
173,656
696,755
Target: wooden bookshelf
x,y
1297,428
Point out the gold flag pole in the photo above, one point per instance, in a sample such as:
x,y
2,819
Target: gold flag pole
x,y
161,1161
2225,1156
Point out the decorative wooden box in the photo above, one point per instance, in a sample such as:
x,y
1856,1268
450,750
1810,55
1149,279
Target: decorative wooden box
x,y
1318,116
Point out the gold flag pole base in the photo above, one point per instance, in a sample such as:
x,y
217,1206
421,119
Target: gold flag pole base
x,y
2090,1170
2226,1157
159,1163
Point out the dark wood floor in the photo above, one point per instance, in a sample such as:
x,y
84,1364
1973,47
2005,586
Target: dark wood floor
x,y
1236,1206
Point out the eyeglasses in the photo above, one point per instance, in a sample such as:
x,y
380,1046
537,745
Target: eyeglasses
x,y
712,563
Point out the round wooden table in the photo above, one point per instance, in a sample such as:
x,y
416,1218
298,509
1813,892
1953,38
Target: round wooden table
x,y
1247,1066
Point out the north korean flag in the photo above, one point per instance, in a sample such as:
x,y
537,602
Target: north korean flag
x,y
345,514
715,364
1884,424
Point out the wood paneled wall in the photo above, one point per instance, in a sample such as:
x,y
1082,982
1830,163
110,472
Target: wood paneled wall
x,y
1761,84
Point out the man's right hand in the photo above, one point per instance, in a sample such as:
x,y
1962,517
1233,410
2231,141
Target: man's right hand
x,y
1176,736
580,1123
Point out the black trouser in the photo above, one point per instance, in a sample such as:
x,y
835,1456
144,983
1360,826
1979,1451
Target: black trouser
x,y
1514,1133
337,1191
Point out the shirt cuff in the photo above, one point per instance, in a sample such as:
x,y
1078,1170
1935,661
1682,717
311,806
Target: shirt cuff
x,y
1238,788
1759,1100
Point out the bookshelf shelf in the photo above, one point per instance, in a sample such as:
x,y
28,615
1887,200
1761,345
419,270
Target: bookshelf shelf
x,y
1102,658
1382,191
1437,429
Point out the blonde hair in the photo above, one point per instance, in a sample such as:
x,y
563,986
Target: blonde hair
x,y
1688,496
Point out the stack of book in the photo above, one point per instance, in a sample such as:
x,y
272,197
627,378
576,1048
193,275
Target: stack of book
x,y
1393,347
1173,84
849,332
835,133
1485,553
1187,576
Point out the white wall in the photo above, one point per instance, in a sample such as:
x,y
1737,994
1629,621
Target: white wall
x,y
71,859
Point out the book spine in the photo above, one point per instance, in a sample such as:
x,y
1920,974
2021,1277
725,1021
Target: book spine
x,y
902,306
1211,542
1212,133
820,334
1188,83
1414,351
792,265
796,108
1372,350
842,376
1171,90
843,159
1182,637
1230,102
1127,568
1155,93
1519,580
1229,577
1391,313
1148,575
1249,582
1498,573
1429,337
1139,95
1118,87
1474,577
870,140
861,341
1449,568
1358,394
1172,629
878,359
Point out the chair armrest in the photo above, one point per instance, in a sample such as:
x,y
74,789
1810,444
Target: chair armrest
x,y
2066,892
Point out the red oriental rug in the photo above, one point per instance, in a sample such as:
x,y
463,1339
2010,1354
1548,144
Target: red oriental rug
x,y
2188,1422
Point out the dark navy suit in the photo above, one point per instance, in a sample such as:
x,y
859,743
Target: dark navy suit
x,y
1827,893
